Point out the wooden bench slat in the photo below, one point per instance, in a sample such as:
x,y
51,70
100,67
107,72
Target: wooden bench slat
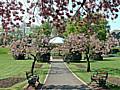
x,y
100,78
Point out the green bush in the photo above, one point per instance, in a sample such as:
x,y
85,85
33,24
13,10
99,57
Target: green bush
x,y
117,47
112,55
114,51
96,56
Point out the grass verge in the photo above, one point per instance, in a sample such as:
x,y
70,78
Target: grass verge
x,y
108,64
17,68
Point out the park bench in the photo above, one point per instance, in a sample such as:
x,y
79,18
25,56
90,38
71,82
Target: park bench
x,y
100,77
33,82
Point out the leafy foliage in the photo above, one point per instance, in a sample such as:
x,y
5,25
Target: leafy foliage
x,y
46,28
12,11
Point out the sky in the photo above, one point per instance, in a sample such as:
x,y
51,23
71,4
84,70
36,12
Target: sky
x,y
115,24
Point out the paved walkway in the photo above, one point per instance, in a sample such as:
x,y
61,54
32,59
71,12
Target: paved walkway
x,y
60,78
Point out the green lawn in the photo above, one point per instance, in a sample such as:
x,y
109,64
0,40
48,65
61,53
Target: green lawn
x,y
112,65
10,67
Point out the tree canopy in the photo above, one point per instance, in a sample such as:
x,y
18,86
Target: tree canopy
x,y
12,12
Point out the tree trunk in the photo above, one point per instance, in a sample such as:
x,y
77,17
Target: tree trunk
x,y
88,63
88,57
33,64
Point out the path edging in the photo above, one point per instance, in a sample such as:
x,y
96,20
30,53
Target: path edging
x,y
77,76
47,74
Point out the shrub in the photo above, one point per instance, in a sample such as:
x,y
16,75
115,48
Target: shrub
x,y
75,56
97,56
114,50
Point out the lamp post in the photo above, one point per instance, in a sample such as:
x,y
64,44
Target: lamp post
x,y
24,25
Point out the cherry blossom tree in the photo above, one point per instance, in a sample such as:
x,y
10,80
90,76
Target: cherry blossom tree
x,y
12,11
87,39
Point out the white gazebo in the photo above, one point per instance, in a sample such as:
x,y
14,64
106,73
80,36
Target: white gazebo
x,y
56,40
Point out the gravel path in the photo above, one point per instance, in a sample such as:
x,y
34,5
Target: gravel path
x,y
60,78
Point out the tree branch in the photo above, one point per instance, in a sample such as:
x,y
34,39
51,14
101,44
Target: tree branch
x,y
82,4
84,1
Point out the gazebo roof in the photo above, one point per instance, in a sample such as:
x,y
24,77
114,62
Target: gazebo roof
x,y
56,40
